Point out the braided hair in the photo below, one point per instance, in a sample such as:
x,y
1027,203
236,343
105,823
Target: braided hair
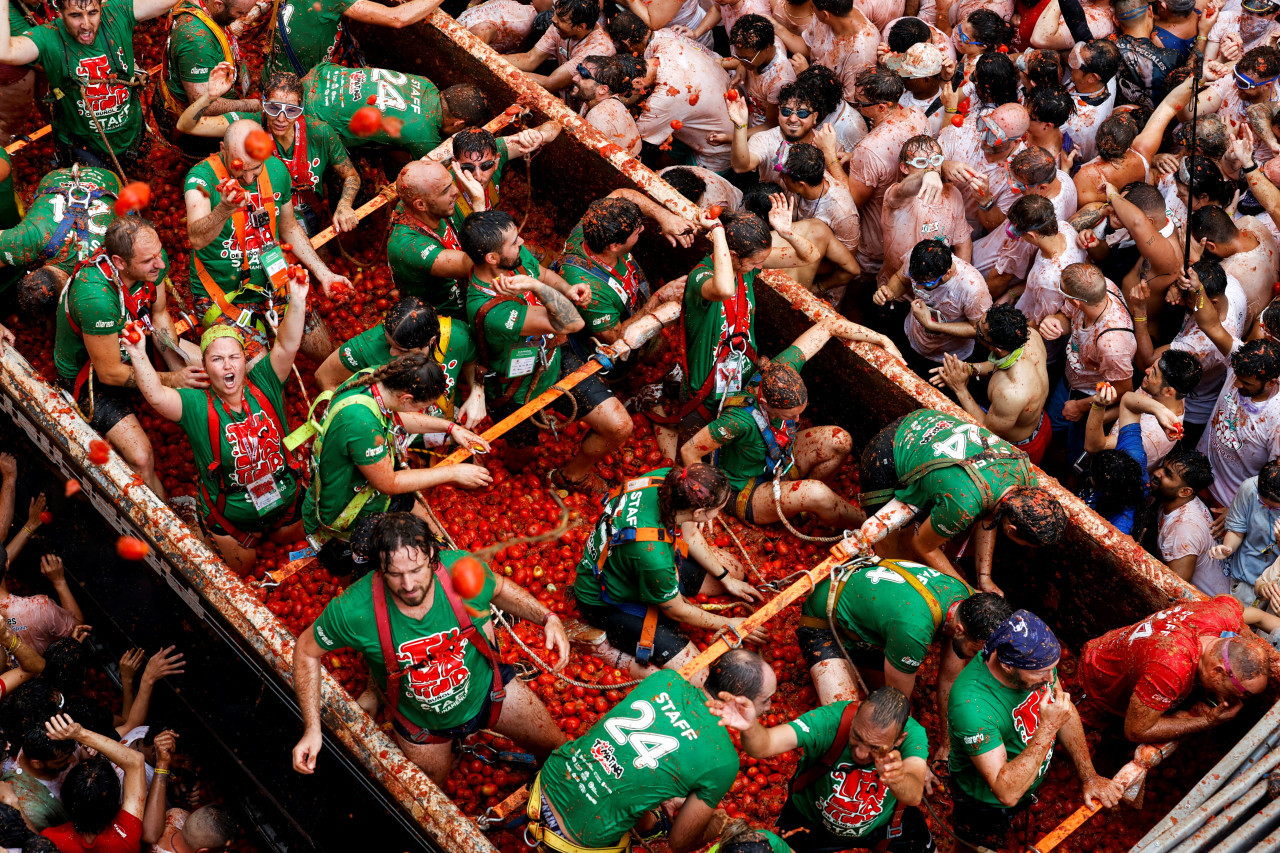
x,y
415,374
697,487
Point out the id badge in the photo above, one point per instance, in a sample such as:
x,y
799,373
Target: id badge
x,y
521,361
265,495
274,264
729,375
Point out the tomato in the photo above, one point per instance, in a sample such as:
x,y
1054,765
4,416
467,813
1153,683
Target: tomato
x,y
366,121
259,145
129,548
468,576
46,517
714,211
677,124
99,451
135,196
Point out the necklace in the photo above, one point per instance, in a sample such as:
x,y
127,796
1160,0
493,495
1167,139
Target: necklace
x,y
1008,361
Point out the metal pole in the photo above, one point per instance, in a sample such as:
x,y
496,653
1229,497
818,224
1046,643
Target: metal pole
x,y
1270,844
1223,819
1253,827
1201,814
1216,777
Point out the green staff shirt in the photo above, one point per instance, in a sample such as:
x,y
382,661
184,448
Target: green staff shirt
x,y
447,692
251,448
705,322
194,51
371,349
953,500
984,715
314,28
743,451
491,189
18,23
609,306
637,572
357,435
67,63
659,742
849,800
882,609
324,149
223,257
411,254
333,94
98,307
503,338
21,245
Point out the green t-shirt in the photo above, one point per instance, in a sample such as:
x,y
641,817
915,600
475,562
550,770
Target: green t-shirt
x,y
776,844
491,189
98,308
314,28
849,801
223,257
985,714
616,294
21,245
36,802
66,62
19,25
324,151
333,94
508,349
743,452
194,51
10,207
447,692
879,607
412,252
705,322
659,742
251,449
953,500
357,435
636,572
371,349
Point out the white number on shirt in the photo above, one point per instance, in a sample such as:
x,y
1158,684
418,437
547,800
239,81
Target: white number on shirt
x,y
389,97
954,446
648,746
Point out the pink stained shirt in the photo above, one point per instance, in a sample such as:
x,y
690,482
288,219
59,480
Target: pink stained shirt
x,y
875,165
612,118
685,68
1256,268
847,56
1213,364
562,50
763,87
916,221
1103,350
881,12
835,207
718,191
37,619
962,297
1187,531
999,253
513,20
730,14
1242,436
1043,295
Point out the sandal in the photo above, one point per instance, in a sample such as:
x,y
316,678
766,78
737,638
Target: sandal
x,y
590,484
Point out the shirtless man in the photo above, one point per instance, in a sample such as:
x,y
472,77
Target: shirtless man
x,y
835,266
1140,210
1245,246
1019,381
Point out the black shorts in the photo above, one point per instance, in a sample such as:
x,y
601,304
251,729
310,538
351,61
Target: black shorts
x,y
350,557
471,726
289,516
110,405
624,629
913,834
878,469
982,823
819,644
587,394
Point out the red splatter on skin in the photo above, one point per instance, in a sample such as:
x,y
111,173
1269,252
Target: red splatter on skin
x,y
693,99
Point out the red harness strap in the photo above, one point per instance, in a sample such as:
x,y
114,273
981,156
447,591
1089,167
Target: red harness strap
x,y
135,306
469,632
217,508
832,755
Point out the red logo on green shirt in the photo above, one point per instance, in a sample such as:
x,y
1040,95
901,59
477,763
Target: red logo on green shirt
x,y
438,663
1026,717
857,797
255,443
100,96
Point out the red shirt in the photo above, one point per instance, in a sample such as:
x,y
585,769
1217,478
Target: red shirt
x,y
124,835
1155,660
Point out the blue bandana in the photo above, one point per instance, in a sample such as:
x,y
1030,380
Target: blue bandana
x,y
1023,641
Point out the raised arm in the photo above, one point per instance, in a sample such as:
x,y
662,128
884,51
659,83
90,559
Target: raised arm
x,y
165,400
145,10
193,120
14,50
134,790
396,17
1147,143
780,218
289,335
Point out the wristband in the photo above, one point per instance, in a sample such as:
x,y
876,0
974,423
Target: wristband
x,y
740,126
28,529
951,111
162,771
1139,319
1098,406
449,430
988,205
1244,170
15,645
546,617
723,576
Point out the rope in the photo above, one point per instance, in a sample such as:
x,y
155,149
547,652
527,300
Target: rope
x,y
501,619
750,563
777,505
124,179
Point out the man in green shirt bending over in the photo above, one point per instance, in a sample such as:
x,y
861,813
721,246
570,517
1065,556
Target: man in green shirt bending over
x,y
862,775
661,742
309,32
87,54
447,685
1007,709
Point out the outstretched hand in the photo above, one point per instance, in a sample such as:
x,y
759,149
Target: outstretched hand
x,y
734,712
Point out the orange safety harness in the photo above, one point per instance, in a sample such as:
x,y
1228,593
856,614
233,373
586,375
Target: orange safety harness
x,y
135,307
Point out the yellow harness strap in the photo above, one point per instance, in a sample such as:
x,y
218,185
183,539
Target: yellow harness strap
x,y
558,843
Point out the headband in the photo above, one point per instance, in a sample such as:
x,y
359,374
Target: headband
x,y
212,333
1226,665
1023,641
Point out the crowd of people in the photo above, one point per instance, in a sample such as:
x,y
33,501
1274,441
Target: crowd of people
x,y
1062,214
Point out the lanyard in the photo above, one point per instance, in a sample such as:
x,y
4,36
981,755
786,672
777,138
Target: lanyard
x,y
449,239
529,298
232,41
299,164
397,427
630,284
740,313
137,305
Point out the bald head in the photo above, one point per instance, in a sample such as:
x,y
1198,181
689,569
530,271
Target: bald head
x,y
426,186
233,150
208,828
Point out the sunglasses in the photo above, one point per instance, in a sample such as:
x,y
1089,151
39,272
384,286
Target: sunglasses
x,y
802,114
932,161
751,60
964,39
275,109
482,166
584,72
862,105
1243,82
926,285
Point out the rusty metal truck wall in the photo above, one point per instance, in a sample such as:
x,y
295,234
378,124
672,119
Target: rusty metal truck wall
x,y
1096,580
